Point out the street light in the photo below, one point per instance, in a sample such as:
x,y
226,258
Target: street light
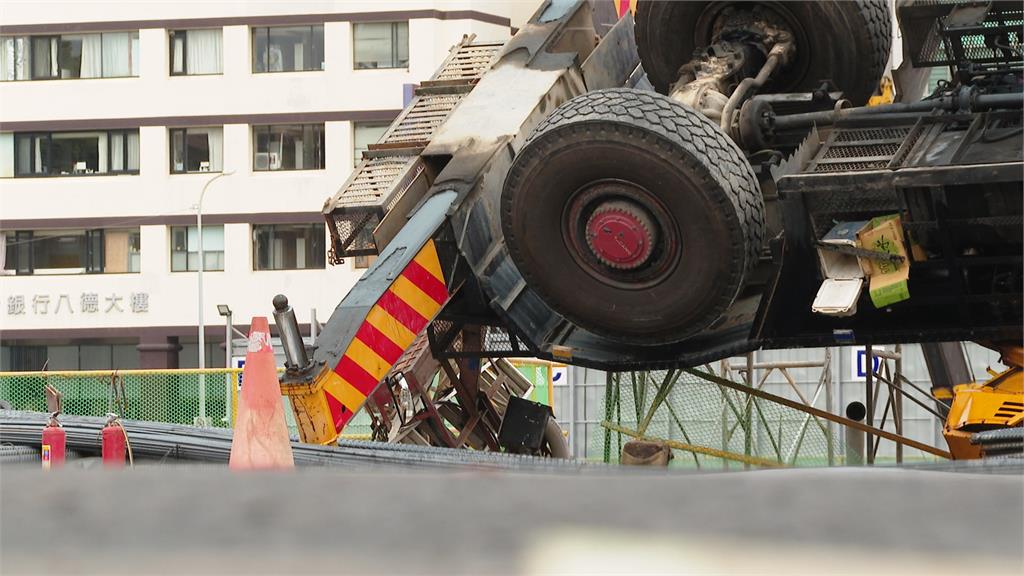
x,y
201,420
225,311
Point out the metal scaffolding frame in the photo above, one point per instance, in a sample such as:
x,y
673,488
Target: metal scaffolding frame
x,y
747,376
742,417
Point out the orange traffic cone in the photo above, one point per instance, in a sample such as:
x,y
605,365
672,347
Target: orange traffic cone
x,y
261,435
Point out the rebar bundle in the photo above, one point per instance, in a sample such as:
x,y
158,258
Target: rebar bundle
x,y
177,442
1003,442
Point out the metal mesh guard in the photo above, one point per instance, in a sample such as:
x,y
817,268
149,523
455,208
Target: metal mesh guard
x,y
352,233
377,184
937,40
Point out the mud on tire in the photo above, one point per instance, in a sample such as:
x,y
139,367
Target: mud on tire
x,y
845,41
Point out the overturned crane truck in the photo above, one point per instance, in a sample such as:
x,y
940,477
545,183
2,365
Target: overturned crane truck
x,y
703,182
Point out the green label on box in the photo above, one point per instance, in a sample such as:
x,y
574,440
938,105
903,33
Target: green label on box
x,y
890,294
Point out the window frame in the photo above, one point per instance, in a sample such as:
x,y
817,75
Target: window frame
x,y
135,34
394,46
310,51
49,158
28,43
184,155
322,157
93,254
358,157
32,56
363,262
184,52
201,258
255,246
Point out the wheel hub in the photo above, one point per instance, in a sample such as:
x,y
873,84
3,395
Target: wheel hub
x,y
620,235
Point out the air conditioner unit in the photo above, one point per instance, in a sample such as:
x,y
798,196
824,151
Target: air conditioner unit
x,y
267,161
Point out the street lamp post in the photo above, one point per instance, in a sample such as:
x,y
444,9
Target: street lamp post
x,y
201,420
225,311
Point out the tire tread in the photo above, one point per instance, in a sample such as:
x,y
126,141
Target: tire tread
x,y
703,145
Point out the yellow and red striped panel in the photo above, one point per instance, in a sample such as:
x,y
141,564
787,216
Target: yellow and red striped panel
x,y
623,6
412,301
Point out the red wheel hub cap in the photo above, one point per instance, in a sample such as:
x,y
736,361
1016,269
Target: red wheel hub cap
x,y
620,235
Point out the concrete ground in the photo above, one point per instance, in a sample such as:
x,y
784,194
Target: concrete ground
x,y
198,520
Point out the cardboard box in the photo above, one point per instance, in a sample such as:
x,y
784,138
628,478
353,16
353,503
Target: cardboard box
x,y
888,283
845,273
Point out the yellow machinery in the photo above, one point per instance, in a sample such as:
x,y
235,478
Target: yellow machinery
x,y
982,406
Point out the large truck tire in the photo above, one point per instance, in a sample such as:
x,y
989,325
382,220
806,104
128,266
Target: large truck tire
x,y
556,445
633,216
844,41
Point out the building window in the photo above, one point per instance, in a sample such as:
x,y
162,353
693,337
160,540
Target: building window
x,y
195,52
107,55
363,262
289,246
99,251
380,45
197,149
76,153
287,49
185,248
362,136
288,147
27,357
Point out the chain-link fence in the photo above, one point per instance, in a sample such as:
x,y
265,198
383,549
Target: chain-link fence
x,y
708,424
157,395
173,395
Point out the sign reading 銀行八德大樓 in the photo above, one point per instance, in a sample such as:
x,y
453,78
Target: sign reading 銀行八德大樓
x,y
86,303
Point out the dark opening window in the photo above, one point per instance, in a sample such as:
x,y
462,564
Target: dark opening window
x,y
288,147
197,149
196,52
380,45
289,246
107,55
76,153
22,357
185,248
362,136
111,250
287,48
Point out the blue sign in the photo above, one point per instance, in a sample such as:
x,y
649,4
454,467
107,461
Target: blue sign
x,y
861,364
240,363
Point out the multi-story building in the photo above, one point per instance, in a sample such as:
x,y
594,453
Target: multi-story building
x,y
115,118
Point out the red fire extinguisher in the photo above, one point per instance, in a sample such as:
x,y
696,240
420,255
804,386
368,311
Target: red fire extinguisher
x,y
115,441
54,440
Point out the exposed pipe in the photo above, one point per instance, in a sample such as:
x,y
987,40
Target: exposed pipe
x,y
975,103
291,338
779,54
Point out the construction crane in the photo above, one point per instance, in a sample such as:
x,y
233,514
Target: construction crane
x,y
703,181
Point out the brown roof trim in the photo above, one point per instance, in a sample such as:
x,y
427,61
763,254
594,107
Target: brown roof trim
x,y
161,220
206,120
272,20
